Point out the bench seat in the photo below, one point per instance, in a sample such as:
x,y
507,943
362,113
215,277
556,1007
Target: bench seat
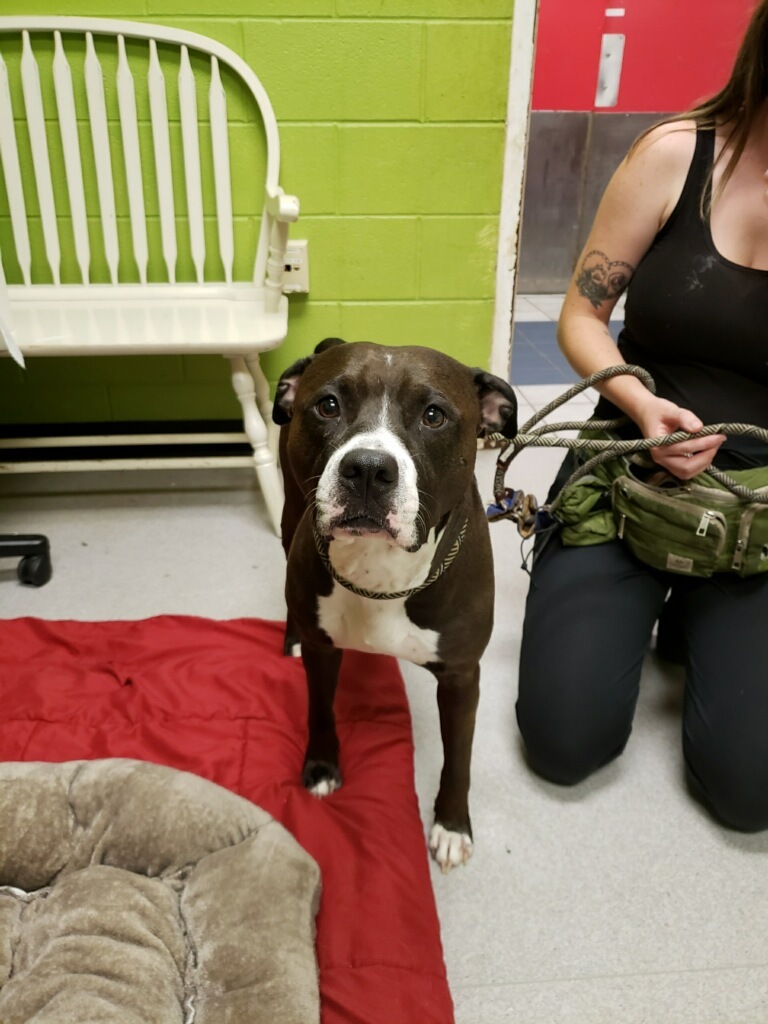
x,y
103,320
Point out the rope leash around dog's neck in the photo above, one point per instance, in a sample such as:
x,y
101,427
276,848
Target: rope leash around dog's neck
x,y
524,509
322,544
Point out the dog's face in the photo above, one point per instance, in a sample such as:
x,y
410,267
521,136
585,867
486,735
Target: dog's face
x,y
383,440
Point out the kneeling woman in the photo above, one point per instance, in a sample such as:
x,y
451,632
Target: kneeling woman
x,y
684,224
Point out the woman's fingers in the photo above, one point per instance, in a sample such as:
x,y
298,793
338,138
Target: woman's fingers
x,y
688,458
694,446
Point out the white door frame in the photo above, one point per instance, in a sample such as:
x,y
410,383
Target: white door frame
x,y
513,180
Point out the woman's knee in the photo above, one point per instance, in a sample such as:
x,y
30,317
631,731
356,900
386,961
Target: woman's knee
x,y
736,793
728,770
565,751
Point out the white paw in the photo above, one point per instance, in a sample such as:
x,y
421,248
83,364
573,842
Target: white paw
x,y
296,650
450,849
324,788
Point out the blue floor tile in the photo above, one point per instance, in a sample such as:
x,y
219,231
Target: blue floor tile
x,y
536,357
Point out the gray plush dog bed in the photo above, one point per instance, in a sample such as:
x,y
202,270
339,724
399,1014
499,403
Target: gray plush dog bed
x,y
136,894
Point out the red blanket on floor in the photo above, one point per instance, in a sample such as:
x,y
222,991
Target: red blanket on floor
x,y
220,700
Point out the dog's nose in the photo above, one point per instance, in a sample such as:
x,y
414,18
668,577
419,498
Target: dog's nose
x,y
371,472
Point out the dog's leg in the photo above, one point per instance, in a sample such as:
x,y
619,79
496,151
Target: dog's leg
x,y
321,773
451,837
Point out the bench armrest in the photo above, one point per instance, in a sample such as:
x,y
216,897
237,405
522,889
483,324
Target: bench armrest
x,y
282,207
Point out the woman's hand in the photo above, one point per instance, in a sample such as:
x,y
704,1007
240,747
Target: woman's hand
x,y
686,459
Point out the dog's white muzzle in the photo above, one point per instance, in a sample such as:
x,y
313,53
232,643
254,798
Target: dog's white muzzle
x,y
396,512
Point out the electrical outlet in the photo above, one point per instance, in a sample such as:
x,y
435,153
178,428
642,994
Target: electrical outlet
x,y
296,276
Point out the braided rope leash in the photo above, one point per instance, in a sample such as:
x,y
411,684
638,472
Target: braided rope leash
x,y
530,437
322,544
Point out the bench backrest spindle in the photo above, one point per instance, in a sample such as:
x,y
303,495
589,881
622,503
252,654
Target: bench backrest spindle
x,y
124,164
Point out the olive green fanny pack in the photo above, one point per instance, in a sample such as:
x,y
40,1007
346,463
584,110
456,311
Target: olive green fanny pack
x,y
696,528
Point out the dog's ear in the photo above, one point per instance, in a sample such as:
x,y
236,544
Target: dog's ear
x,y
285,394
498,404
327,343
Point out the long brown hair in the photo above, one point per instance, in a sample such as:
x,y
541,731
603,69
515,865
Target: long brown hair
x,y
737,105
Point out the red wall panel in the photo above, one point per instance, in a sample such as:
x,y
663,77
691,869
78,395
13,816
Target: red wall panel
x,y
676,51
567,54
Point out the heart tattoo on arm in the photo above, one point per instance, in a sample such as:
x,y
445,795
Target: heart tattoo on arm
x,y
601,279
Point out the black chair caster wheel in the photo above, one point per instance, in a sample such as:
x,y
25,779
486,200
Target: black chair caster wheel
x,y
35,570
33,549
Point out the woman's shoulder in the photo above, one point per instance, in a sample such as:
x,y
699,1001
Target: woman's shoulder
x,y
667,145
648,183
657,166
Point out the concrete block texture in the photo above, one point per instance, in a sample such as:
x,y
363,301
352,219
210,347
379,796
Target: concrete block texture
x,y
391,114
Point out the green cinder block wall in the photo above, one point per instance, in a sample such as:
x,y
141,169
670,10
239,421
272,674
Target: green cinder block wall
x,y
391,116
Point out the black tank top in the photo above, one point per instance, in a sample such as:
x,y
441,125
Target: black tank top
x,y
698,323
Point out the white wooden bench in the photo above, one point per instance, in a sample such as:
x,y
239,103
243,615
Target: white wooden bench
x,y
124,235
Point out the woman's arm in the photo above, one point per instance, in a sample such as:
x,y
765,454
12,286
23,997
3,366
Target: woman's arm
x,y
636,204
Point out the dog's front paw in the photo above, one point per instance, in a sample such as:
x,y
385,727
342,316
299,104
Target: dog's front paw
x,y
450,849
320,777
291,642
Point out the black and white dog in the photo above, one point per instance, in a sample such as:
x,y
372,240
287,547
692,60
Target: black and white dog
x,y
387,540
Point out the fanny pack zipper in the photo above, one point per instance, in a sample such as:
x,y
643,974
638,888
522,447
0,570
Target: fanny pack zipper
x,y
708,517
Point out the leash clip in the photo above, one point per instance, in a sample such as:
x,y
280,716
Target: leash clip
x,y
513,504
528,523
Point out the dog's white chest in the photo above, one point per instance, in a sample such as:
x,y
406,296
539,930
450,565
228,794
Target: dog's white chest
x,y
382,627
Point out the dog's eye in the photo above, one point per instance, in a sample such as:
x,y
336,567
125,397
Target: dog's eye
x,y
433,417
328,407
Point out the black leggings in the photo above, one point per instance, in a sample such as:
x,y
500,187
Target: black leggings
x,y
589,617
